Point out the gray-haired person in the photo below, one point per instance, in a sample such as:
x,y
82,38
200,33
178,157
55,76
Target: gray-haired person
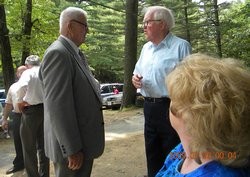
x,y
72,103
30,103
159,56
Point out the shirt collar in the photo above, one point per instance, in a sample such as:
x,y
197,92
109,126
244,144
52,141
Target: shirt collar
x,y
165,42
72,44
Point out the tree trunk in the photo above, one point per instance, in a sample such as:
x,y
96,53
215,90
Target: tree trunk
x,y
27,31
5,48
217,28
129,92
188,36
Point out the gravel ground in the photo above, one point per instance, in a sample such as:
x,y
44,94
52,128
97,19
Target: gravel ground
x,y
124,154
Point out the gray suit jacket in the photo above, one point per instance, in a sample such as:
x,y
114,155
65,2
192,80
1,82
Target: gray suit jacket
x,y
73,118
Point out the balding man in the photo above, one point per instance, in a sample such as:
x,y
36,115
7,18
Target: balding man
x,y
11,110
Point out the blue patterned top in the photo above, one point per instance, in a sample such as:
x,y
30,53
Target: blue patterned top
x,y
172,166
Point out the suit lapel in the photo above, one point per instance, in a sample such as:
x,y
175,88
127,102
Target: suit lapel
x,y
83,67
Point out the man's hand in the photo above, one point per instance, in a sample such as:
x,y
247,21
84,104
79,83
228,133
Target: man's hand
x,y
22,105
75,161
5,124
136,80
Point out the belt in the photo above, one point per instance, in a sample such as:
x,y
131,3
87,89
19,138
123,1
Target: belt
x,y
17,113
34,105
156,100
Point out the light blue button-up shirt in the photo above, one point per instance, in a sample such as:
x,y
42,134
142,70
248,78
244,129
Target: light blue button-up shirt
x,y
156,61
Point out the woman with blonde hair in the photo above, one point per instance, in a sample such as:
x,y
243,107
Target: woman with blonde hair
x,y
210,111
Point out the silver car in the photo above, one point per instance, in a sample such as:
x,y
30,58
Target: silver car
x,y
112,95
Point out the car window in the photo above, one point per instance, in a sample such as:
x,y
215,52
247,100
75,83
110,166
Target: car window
x,y
105,89
2,94
119,87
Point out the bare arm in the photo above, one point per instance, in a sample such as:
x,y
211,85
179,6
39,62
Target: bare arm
x,y
7,109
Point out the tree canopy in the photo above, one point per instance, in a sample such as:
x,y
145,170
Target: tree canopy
x,y
212,28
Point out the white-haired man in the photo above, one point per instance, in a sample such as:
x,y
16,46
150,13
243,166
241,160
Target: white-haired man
x,y
159,56
72,103
30,102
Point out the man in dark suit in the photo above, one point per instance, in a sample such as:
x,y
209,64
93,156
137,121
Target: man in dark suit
x,y
72,104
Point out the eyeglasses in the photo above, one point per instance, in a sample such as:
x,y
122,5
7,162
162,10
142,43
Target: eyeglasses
x,y
84,24
146,23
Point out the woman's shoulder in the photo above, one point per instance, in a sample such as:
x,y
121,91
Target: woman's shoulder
x,y
215,169
234,172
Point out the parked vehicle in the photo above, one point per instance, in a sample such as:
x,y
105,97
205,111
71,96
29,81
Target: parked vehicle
x,y
112,95
2,97
112,101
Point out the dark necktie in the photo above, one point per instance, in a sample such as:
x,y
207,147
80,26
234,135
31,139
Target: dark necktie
x,y
83,59
94,81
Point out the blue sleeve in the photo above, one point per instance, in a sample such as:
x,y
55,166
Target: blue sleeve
x,y
186,50
171,162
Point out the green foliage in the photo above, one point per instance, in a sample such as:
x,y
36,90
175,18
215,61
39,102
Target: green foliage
x,y
236,31
105,41
44,29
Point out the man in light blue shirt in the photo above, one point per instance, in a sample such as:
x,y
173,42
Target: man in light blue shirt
x,y
159,56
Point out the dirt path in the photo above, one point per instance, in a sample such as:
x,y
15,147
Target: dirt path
x,y
124,155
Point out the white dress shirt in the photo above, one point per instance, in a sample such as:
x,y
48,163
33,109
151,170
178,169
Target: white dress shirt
x,y
30,89
12,97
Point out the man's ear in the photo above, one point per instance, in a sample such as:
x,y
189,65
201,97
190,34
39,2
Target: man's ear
x,y
164,26
69,26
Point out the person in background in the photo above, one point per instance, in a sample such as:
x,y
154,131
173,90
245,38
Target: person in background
x,y
74,123
158,57
11,110
115,90
30,103
210,112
